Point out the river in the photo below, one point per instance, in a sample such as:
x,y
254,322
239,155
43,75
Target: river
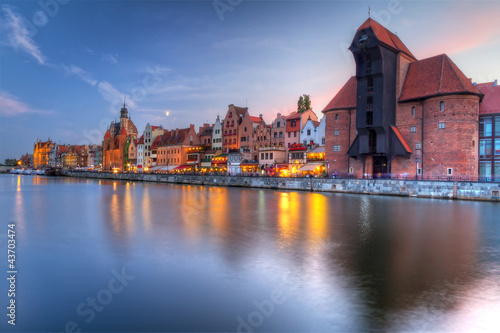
x,y
104,256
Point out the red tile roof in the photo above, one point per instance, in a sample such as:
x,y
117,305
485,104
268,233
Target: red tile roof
x,y
386,37
107,135
123,131
293,115
401,139
255,119
155,142
154,127
435,76
141,140
491,99
345,98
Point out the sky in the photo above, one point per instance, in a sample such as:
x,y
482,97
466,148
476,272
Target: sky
x,y
67,65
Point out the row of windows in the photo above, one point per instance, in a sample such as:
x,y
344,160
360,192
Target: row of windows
x,y
294,134
489,126
266,156
486,148
490,169
297,156
169,160
276,134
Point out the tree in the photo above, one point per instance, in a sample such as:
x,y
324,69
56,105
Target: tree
x,y
300,105
10,161
304,103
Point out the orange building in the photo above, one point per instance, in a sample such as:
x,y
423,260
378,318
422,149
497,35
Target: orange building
x,y
44,153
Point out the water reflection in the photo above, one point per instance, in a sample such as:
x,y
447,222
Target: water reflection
x,y
345,262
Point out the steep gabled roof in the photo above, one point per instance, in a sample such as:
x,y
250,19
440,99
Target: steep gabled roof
x,y
123,131
435,76
155,127
107,135
345,98
255,119
206,131
155,142
240,111
293,115
491,99
386,37
141,140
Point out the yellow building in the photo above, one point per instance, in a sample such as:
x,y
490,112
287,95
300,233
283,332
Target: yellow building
x,y
44,153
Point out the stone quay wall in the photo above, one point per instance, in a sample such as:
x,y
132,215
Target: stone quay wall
x,y
407,188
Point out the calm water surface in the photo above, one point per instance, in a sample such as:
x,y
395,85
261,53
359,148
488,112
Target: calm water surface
x,y
194,258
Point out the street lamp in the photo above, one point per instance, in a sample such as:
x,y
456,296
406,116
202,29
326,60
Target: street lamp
x,y
327,167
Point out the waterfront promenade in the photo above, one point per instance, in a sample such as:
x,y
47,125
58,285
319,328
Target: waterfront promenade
x,y
409,188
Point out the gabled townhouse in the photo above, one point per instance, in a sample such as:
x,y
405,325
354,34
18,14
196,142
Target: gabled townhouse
x,y
294,124
278,131
217,135
174,149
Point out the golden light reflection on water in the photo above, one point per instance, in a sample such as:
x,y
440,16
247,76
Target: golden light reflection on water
x,y
218,212
289,207
318,221
129,204
146,209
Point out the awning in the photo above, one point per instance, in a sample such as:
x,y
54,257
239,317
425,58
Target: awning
x,y
310,167
168,168
249,164
183,167
281,166
156,168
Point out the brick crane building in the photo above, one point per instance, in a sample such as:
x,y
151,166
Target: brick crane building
x,y
402,116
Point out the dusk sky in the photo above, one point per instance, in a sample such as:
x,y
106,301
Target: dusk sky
x,y
65,70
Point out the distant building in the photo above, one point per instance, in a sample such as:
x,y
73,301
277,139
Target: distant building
x,y
294,124
205,134
44,153
175,149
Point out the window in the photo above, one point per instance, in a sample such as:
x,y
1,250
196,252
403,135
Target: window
x,y
261,156
234,140
281,133
289,134
497,126
294,134
497,150
368,61
449,171
308,132
275,134
267,156
413,129
323,141
369,85
305,142
413,111
486,126
369,118
336,116
485,148
351,170
336,148
278,124
418,146
441,126
245,129
419,171
441,106
271,156
485,169
336,132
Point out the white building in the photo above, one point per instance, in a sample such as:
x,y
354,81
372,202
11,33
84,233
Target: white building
x,y
150,134
217,135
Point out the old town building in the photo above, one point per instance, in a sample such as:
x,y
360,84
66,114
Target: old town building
x,y
44,153
278,131
115,141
